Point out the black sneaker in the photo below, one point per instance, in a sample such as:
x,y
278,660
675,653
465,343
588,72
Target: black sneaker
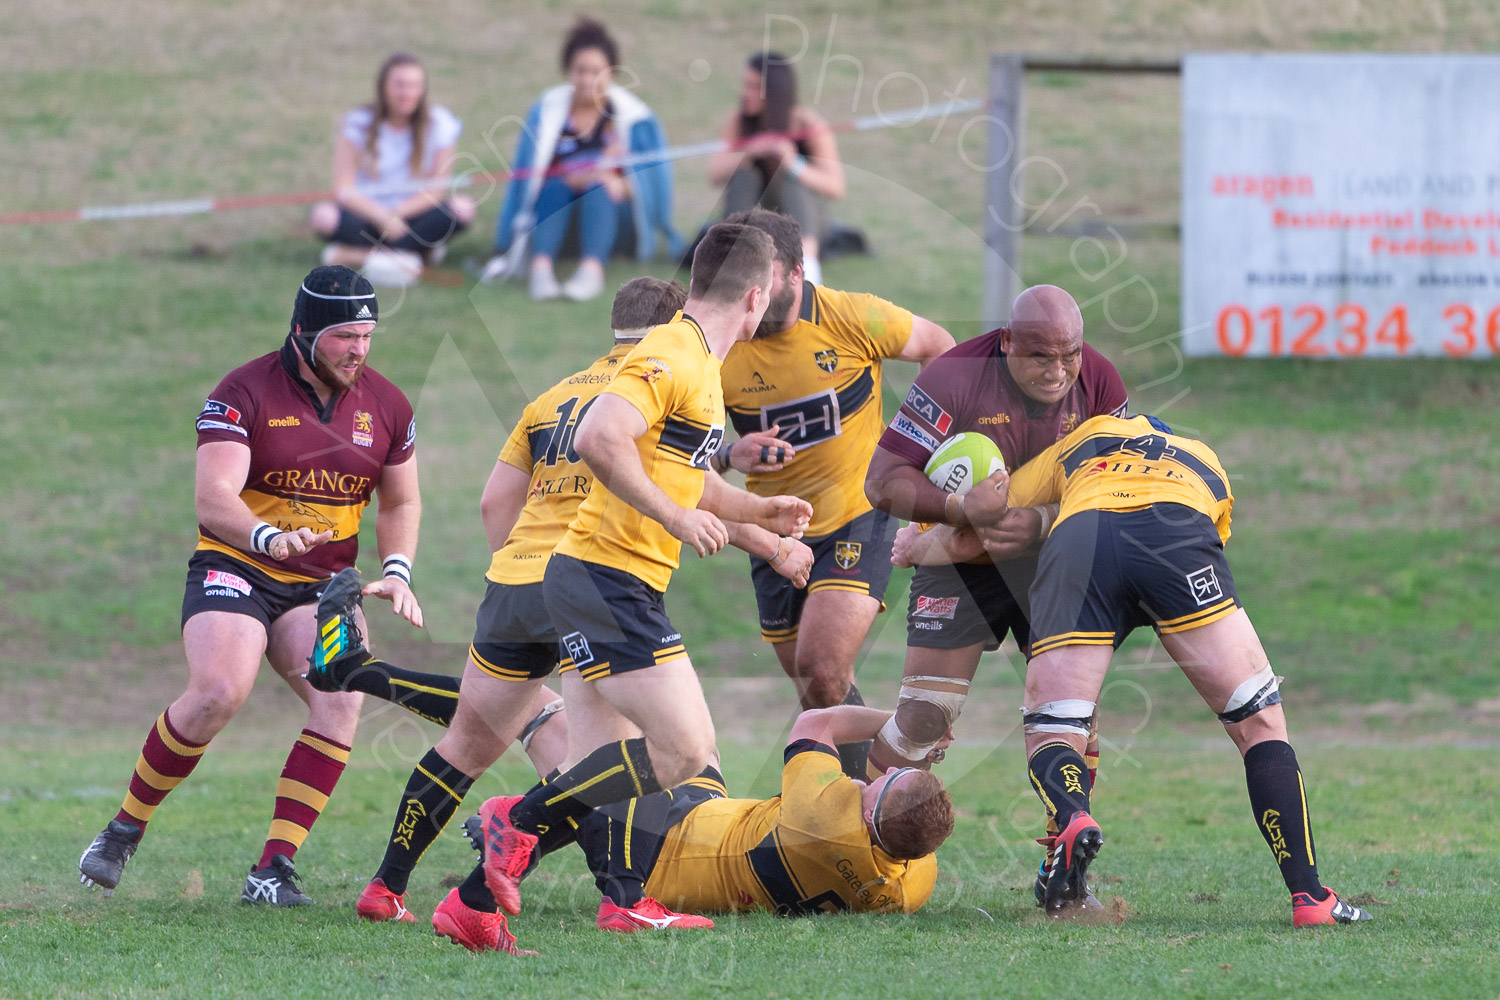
x,y
277,884
103,862
339,642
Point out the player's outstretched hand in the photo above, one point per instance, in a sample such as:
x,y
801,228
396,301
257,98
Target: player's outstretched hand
x,y
1013,535
761,451
700,529
985,504
786,515
296,543
797,566
398,592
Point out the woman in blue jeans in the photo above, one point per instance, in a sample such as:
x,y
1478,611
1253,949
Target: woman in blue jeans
x,y
567,131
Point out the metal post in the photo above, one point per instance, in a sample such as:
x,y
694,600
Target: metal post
x,y
1002,209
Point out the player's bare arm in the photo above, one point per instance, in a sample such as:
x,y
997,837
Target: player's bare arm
x,y
500,504
606,440
398,518
222,469
785,515
938,545
789,557
902,490
927,341
838,724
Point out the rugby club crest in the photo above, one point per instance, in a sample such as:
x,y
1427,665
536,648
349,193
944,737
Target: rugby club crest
x,y
364,429
846,554
827,360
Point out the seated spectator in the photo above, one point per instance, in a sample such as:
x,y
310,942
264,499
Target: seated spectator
x,y
788,162
390,234
567,131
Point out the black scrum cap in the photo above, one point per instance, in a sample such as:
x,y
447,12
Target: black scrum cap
x,y
330,296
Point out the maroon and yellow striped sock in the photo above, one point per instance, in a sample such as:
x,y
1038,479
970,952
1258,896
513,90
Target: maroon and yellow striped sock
x,y
312,769
166,758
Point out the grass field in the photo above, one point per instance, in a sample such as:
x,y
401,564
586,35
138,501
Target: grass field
x,y
1367,542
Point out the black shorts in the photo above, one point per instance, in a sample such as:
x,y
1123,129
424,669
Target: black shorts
x,y
969,604
607,621
424,231
854,558
1105,573
513,638
219,582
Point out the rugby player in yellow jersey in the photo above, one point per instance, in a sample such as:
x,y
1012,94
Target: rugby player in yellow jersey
x,y
1139,540
533,493
647,438
804,395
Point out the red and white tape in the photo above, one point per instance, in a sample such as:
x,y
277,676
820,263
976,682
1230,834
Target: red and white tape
x,y
203,206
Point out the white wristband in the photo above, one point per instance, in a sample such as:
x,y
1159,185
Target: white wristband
x,y
261,537
397,565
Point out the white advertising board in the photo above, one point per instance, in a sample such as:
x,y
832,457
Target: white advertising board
x,y
1341,206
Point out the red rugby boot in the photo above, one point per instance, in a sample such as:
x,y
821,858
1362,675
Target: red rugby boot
x,y
1308,912
475,930
379,904
646,915
507,852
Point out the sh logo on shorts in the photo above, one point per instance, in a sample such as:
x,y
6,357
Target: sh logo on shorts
x,y
846,554
1204,584
578,649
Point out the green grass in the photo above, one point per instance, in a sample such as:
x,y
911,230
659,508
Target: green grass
x,y
1202,912
1365,545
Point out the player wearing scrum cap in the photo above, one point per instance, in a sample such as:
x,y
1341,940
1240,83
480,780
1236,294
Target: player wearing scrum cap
x,y
291,448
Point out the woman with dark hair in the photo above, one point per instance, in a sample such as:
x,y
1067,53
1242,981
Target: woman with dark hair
x,y
390,230
568,131
783,156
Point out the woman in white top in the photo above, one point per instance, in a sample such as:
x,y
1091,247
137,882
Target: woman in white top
x,y
378,225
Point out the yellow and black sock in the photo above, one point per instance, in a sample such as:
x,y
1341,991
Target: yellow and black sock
x,y
434,697
1060,778
432,795
613,773
1280,805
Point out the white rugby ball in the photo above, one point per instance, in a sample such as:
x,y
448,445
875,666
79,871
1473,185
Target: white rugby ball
x,y
963,460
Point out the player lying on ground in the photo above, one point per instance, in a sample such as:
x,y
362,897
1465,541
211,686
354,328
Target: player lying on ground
x,y
1140,541
826,844
804,395
291,447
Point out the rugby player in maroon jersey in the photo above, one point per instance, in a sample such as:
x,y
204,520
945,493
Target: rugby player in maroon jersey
x,y
1024,386
291,448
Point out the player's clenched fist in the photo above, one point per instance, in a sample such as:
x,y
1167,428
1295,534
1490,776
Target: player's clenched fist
x,y
796,561
700,529
761,451
986,503
786,515
295,543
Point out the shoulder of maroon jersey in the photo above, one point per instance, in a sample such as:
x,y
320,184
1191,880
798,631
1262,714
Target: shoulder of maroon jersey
x,y
982,346
255,370
1094,360
382,388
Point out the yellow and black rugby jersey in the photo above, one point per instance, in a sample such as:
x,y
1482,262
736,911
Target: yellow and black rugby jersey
x,y
820,381
1125,463
672,378
804,851
542,446
312,465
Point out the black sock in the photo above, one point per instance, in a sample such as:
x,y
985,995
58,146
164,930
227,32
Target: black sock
x,y
432,795
1060,779
557,837
613,773
475,894
1280,806
432,696
854,757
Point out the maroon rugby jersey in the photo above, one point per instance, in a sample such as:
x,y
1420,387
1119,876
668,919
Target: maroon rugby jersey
x,y
970,388
311,466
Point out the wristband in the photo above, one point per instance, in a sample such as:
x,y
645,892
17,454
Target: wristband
x,y
779,557
721,461
798,166
953,511
261,537
1045,510
397,565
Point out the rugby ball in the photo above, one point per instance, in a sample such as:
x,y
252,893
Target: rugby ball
x,y
963,460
